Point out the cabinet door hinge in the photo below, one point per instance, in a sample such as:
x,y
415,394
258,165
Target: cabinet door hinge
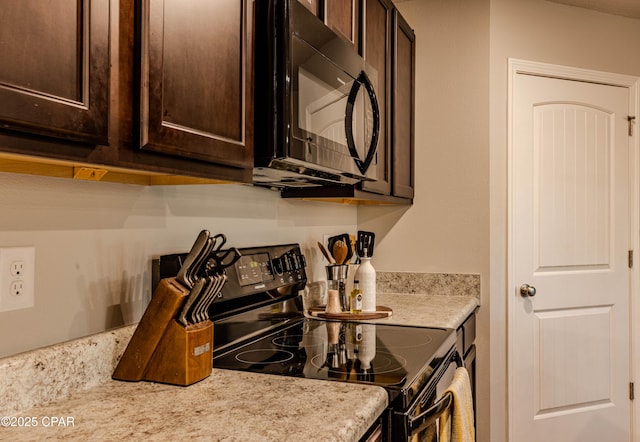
x,y
630,259
631,120
631,393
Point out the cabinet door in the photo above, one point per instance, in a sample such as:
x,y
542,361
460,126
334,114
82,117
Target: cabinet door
x,y
403,108
312,5
376,50
197,82
54,68
342,17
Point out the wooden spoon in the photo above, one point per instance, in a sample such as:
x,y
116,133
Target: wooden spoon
x,y
324,252
339,252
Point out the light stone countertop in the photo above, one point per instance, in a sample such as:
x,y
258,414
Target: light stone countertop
x,y
72,380
227,406
422,310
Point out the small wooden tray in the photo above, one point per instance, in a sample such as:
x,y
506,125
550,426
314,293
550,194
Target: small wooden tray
x,y
381,312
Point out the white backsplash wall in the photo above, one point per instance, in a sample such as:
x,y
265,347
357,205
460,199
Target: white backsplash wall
x,y
95,241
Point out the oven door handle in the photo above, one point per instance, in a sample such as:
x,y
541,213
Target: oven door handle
x,y
431,414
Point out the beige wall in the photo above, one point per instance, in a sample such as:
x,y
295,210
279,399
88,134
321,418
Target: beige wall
x,y
95,241
447,228
542,31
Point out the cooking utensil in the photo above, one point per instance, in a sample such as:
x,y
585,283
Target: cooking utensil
x,y
198,266
215,294
185,274
216,263
221,259
191,274
354,241
347,242
219,241
212,291
195,315
196,290
340,251
324,252
365,243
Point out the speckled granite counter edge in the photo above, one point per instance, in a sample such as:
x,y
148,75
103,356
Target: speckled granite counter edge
x,y
48,374
445,284
73,379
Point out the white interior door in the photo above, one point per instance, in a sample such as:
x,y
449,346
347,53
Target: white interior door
x,y
569,344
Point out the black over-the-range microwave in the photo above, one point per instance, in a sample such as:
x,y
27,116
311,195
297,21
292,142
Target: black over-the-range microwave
x,y
316,114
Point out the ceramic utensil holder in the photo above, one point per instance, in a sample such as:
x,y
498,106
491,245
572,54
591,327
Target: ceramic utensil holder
x,y
163,350
336,278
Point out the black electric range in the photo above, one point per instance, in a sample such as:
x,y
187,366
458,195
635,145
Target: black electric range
x,y
259,326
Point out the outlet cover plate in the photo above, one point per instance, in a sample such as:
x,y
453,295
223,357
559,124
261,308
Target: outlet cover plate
x,y
24,259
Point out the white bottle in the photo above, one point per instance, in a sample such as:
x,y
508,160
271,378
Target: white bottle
x,y
366,275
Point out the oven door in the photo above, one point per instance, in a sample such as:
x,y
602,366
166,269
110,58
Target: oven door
x,y
420,421
335,119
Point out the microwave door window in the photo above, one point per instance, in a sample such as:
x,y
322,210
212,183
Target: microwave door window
x,y
320,91
321,110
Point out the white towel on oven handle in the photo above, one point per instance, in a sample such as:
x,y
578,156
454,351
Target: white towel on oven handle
x,y
457,423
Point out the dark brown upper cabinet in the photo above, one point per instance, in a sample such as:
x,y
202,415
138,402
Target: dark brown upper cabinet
x,y
342,16
403,105
54,68
376,50
196,80
136,91
313,6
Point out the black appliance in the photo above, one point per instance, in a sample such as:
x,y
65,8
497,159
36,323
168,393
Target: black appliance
x,y
260,327
316,113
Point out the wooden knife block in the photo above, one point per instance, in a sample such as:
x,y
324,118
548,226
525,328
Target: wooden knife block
x,y
163,350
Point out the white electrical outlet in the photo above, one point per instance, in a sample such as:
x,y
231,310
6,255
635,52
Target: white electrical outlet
x,y
17,275
17,288
17,267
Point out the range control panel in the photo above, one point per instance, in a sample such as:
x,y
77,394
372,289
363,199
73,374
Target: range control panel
x,y
266,268
254,269
261,274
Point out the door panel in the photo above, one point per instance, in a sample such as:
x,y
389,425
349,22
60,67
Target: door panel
x,y
574,153
340,16
403,144
54,68
197,80
573,374
376,43
569,349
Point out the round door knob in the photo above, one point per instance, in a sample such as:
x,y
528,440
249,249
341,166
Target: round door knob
x,y
527,290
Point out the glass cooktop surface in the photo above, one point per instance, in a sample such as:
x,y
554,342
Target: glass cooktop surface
x,y
392,356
